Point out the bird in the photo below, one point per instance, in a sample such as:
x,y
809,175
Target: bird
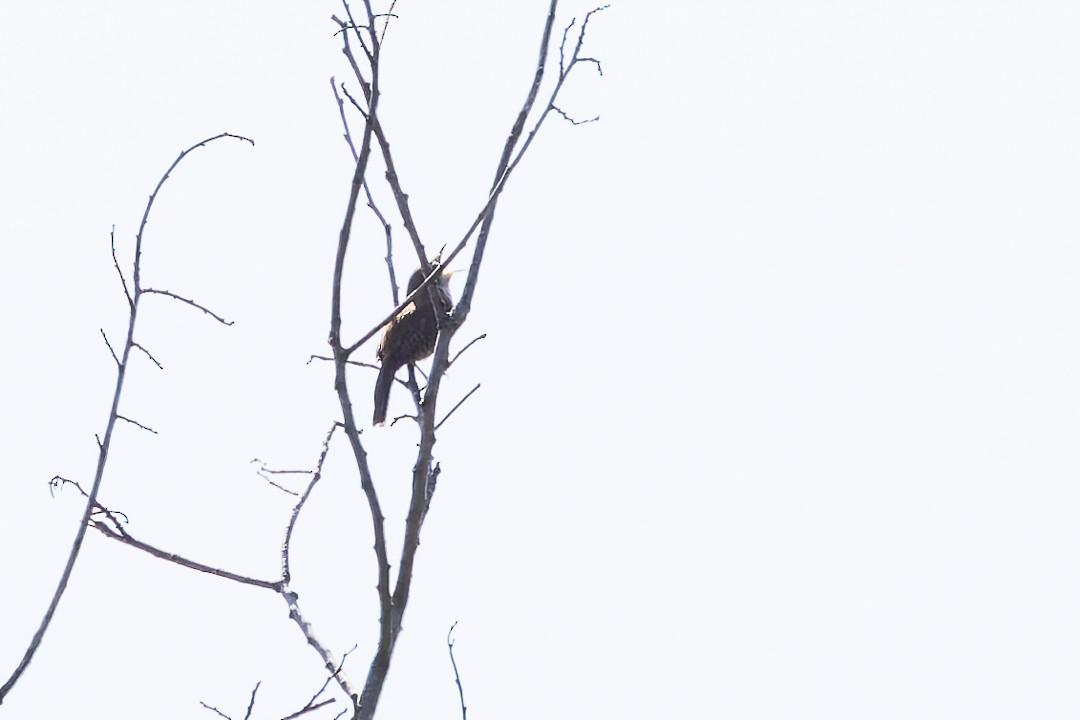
x,y
409,337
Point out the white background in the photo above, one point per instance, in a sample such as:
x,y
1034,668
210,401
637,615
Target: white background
x,y
779,413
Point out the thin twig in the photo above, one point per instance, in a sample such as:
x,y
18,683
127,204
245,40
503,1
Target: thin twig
x,y
389,14
136,424
109,344
457,677
357,363
118,525
316,474
147,353
264,472
214,709
459,404
251,704
182,299
309,708
116,264
311,703
467,346
387,230
571,120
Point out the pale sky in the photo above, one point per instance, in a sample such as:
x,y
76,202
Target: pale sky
x,y
779,404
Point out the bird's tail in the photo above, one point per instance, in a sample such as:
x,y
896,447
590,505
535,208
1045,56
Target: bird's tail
x,y
382,393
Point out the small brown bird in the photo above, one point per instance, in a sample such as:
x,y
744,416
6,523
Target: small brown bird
x,y
409,337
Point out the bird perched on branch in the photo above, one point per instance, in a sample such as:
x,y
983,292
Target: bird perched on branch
x,y
410,336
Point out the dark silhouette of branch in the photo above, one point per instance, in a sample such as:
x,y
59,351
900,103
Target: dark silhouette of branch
x,y
357,363
109,345
506,164
387,230
192,303
316,475
368,699
265,472
459,404
114,415
467,346
310,708
457,677
213,709
425,470
571,120
136,424
147,353
250,707
291,598
130,541
312,704
116,264
251,704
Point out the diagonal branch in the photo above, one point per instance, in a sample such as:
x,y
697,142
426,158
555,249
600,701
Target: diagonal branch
x,y
192,303
157,552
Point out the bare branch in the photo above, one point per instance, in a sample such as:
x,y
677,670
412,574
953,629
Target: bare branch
x,y
291,598
312,704
251,704
136,424
265,472
106,338
344,121
387,230
214,709
116,264
571,120
111,515
400,196
467,346
309,708
103,444
457,677
388,14
174,296
59,482
357,363
506,167
147,353
459,404
593,61
127,539
316,474
328,657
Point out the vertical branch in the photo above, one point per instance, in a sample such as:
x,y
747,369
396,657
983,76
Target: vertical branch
x,y
380,664
462,309
425,471
110,425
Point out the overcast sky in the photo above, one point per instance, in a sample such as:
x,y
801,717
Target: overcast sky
x,y
780,401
